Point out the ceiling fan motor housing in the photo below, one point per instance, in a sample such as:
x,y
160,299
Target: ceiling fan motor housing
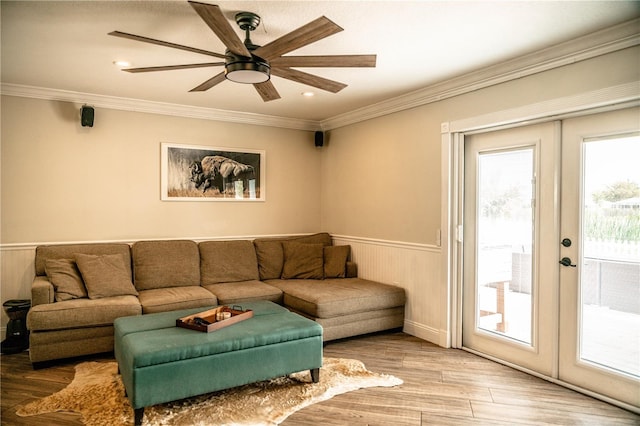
x,y
247,20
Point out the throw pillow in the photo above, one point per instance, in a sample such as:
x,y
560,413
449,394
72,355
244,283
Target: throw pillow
x,y
335,261
270,258
105,276
66,279
303,261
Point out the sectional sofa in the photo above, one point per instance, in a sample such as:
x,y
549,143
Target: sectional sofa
x,y
80,289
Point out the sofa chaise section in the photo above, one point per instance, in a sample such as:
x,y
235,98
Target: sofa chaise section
x,y
345,306
320,282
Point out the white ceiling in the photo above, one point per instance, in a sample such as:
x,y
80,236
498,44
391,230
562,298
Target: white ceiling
x,y
64,45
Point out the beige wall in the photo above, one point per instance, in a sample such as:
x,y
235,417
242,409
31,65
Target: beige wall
x,y
376,184
62,182
381,177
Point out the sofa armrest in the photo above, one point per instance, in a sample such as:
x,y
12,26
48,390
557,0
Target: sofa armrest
x,y
352,270
42,291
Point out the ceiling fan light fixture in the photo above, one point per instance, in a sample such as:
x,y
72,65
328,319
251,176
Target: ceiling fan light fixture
x,y
248,72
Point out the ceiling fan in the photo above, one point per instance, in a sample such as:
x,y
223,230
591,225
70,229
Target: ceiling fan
x,y
251,64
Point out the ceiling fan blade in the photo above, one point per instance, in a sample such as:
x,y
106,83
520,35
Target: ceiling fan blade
x,y
164,43
216,79
325,61
267,91
306,34
173,67
309,79
213,17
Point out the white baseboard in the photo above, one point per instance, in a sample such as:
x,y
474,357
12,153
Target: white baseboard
x,y
422,331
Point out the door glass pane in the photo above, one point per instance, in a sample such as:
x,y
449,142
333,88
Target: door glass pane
x,y
610,272
505,242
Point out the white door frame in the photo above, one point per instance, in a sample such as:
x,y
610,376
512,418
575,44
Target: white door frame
x,y
452,143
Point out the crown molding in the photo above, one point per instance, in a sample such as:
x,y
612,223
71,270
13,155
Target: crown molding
x,y
596,44
592,45
151,107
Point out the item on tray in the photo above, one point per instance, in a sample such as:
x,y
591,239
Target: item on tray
x,y
201,321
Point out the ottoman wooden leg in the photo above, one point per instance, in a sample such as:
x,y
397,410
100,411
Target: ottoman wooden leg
x,y
315,375
138,414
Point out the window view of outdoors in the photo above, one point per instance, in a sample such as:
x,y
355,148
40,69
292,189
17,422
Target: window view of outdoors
x,y
610,268
505,242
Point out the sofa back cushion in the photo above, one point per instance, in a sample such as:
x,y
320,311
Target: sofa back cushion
x,y
227,261
161,264
68,251
270,252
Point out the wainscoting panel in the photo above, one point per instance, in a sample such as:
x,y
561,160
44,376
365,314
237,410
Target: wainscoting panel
x,y
16,275
414,267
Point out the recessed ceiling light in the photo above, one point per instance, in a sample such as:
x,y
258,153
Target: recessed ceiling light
x,y
122,64
308,94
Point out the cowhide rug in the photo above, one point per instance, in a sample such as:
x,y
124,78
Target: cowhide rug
x,y
97,393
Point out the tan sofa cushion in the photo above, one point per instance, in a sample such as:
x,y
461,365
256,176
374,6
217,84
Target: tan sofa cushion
x,y
303,261
271,255
335,261
66,279
244,291
227,261
339,296
80,313
105,275
161,264
270,259
174,298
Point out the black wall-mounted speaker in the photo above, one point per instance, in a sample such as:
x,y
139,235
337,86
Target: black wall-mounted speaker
x,y
86,116
319,139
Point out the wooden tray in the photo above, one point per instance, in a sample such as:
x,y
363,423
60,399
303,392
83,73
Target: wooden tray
x,y
237,315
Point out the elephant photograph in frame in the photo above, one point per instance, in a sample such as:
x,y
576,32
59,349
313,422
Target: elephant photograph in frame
x,y
202,173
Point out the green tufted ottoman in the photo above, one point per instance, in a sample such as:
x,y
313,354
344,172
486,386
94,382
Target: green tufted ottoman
x,y
160,362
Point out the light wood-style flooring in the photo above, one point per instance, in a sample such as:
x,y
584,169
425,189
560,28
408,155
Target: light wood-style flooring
x,y
441,387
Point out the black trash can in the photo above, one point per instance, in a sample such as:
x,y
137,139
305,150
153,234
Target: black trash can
x,y
17,334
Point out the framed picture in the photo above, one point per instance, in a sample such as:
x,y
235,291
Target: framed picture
x,y
202,173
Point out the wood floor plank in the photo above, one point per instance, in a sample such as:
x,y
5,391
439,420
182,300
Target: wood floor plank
x,y
344,411
498,380
441,387
525,414
440,420
559,398
401,398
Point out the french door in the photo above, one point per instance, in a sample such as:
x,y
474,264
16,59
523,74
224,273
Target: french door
x,y
551,250
599,342
510,236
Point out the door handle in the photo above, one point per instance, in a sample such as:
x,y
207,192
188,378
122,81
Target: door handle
x,y
567,262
